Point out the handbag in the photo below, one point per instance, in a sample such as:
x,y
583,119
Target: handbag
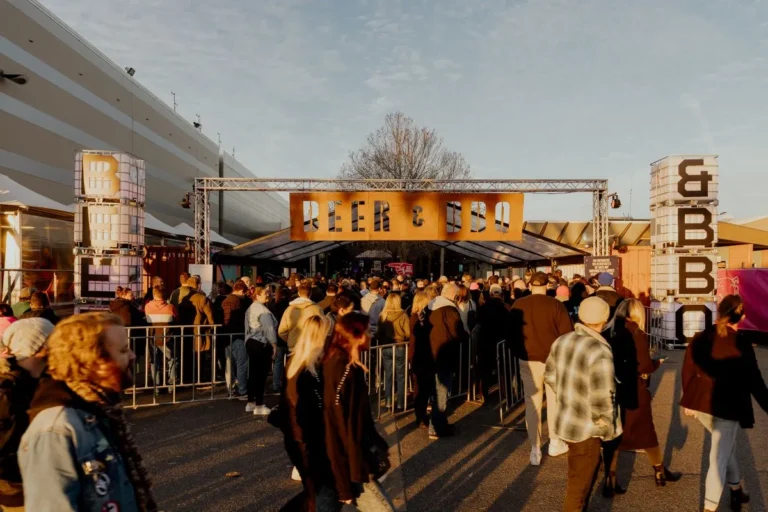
x,y
377,460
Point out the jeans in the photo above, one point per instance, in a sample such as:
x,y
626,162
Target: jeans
x,y
240,356
438,423
163,365
399,368
532,375
723,466
279,366
583,465
259,362
374,499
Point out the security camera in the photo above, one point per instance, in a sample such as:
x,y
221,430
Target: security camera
x,y
130,71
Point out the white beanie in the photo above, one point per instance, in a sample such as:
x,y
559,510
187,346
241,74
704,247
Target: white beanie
x,y
594,310
24,338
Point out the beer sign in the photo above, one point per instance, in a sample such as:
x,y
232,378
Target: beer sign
x,y
429,216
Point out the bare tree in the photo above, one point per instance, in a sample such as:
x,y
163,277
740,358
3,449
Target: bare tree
x,y
402,150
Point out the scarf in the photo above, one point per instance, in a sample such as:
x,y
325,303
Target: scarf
x,y
109,405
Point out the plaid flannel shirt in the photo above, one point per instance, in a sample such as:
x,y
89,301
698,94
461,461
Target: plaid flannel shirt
x,y
581,373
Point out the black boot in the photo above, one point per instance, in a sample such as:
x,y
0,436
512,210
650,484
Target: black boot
x,y
663,475
611,486
738,498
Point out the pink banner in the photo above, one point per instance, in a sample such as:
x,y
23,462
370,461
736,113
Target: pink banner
x,y
752,285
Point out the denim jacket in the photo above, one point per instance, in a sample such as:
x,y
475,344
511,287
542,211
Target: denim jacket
x,y
68,463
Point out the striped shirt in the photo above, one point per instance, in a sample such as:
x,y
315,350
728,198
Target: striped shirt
x,y
581,373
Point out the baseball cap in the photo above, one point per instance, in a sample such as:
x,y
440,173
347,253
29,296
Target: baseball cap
x,y
495,289
539,279
605,279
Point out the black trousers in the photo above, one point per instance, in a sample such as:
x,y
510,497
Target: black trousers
x,y
259,364
425,388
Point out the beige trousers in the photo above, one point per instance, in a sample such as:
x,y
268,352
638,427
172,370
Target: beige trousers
x,y
532,374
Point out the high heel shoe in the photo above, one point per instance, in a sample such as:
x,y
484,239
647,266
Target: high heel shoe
x,y
611,487
663,475
738,498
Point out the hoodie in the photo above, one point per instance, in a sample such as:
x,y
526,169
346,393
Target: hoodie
x,y
294,317
394,328
447,331
373,305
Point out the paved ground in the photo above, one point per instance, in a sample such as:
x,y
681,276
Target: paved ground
x,y
190,449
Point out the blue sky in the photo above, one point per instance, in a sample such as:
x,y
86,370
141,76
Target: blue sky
x,y
537,89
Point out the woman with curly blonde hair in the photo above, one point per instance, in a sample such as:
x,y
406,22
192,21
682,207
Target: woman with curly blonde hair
x,y
78,452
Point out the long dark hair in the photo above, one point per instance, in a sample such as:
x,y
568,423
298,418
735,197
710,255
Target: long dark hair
x,y
729,311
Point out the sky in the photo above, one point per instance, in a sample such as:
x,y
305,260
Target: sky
x,y
523,89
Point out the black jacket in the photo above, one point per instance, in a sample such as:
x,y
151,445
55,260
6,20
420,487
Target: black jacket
x,y
624,362
46,313
17,388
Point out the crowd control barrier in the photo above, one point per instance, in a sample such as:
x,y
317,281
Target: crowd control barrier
x,y
191,363
510,383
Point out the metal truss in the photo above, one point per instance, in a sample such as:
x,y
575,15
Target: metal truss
x,y
361,185
205,185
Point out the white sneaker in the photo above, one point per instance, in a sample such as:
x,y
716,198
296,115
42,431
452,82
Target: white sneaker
x,y
535,456
261,410
295,475
557,448
250,407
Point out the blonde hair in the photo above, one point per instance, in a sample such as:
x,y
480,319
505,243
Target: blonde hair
x,y
420,302
394,304
76,350
632,310
311,345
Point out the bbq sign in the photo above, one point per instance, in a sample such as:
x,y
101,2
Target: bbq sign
x,y
431,216
684,237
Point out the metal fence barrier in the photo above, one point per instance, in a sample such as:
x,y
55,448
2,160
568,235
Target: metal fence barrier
x,y
178,364
510,382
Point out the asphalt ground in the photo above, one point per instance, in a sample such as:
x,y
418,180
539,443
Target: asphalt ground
x,y
190,450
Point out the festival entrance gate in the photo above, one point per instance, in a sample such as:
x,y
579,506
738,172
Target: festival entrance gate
x,y
329,212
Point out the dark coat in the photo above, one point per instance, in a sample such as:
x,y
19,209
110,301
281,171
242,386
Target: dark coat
x,y
610,296
447,332
721,375
639,430
349,427
619,337
233,310
419,348
304,433
47,313
17,388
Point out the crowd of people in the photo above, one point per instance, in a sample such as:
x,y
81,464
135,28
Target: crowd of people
x,y
583,351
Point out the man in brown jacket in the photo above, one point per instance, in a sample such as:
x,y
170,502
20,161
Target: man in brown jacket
x,y
193,308
535,323
297,313
446,337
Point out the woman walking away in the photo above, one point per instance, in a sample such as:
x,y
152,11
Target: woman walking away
x,y
394,328
358,454
720,372
633,366
420,357
301,407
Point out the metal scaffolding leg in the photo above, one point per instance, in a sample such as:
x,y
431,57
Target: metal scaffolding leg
x,y
600,223
202,226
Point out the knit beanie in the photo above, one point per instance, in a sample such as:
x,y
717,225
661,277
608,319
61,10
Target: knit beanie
x,y
594,310
24,338
605,279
